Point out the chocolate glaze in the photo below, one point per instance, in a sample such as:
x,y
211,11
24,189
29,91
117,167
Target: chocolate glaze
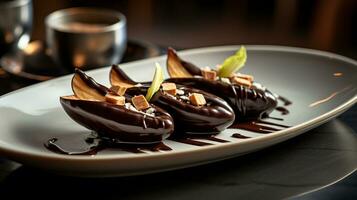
x,y
115,121
212,118
247,103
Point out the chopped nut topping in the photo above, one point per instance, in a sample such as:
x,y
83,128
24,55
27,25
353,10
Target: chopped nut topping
x,y
150,111
115,99
120,90
197,99
209,74
169,88
241,81
245,76
184,98
226,80
140,102
180,92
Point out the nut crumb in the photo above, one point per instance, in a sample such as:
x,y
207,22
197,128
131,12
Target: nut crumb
x,y
140,102
241,81
209,74
120,90
245,76
115,99
169,88
197,99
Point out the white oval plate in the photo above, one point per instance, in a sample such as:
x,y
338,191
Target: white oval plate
x,y
30,116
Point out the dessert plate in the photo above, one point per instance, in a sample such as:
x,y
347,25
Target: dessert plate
x,y
321,86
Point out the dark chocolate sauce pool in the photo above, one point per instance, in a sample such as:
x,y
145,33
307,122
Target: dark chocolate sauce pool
x,y
282,110
240,136
91,144
80,144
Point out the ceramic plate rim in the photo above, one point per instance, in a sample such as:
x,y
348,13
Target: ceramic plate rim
x,y
300,127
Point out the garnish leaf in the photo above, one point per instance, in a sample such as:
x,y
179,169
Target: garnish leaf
x,y
156,82
233,63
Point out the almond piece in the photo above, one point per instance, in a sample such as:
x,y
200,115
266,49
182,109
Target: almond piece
x,y
197,99
115,99
120,90
245,76
226,80
241,81
140,102
209,74
169,88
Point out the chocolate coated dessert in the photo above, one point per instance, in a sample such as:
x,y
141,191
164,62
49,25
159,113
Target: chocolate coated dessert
x,y
248,102
211,118
89,108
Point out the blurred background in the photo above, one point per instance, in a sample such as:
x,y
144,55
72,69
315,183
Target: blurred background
x,y
329,25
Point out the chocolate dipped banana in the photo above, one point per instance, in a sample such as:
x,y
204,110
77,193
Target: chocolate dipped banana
x,y
249,100
114,115
194,111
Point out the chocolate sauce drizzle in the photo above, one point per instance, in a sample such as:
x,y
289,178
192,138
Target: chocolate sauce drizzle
x,y
191,142
91,144
282,110
189,139
284,100
240,136
276,118
263,127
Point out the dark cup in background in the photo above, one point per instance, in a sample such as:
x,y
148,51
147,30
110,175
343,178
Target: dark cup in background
x,y
86,38
15,25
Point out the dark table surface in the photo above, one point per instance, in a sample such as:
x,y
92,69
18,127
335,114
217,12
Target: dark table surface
x,y
308,162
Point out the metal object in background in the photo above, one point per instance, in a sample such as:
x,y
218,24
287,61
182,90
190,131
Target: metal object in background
x,y
15,24
33,64
86,37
